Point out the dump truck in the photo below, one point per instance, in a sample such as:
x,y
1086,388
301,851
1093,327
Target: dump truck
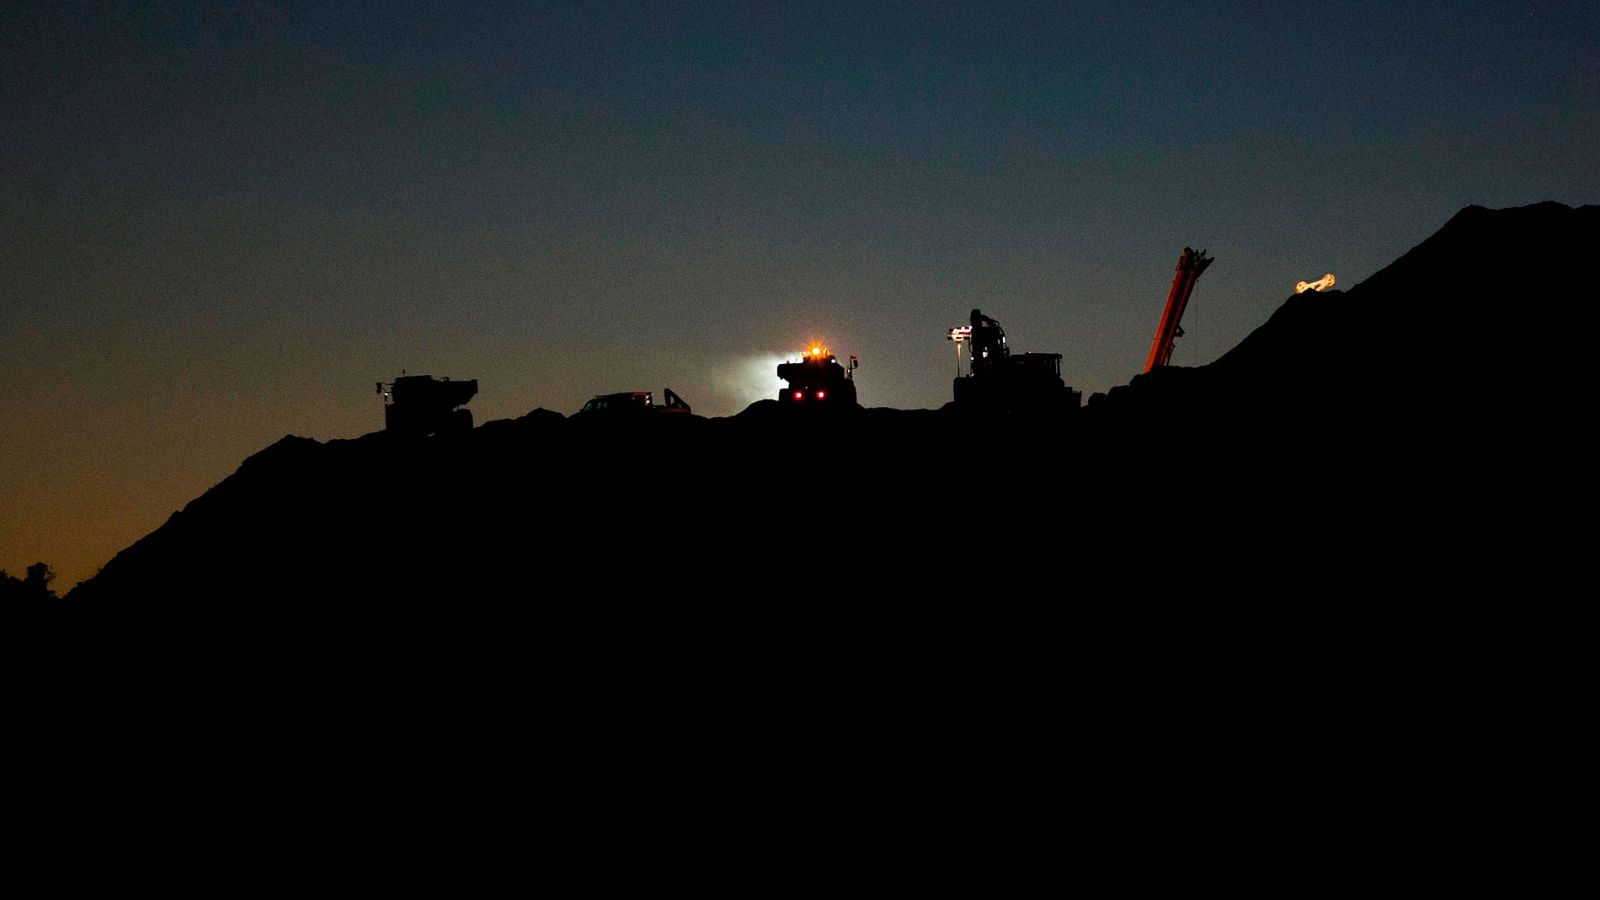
x,y
423,405
818,381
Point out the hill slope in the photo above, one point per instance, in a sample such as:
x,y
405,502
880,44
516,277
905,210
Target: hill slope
x,y
1370,403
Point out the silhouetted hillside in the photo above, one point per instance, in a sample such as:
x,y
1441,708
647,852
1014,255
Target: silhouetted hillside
x,y
1462,329
1297,467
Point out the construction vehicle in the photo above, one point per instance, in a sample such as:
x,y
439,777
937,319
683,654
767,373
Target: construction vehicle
x,y
818,381
1190,264
424,405
1000,381
634,403
1320,285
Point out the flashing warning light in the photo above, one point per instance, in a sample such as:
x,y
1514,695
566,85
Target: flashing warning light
x,y
799,395
821,394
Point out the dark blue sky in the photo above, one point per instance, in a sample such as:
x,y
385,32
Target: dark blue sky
x,y
222,222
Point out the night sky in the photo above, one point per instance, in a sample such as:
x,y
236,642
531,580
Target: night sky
x,y
222,223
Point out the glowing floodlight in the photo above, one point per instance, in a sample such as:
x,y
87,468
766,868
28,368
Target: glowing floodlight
x,y
1321,284
960,335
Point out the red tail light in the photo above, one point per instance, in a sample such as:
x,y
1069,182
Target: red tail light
x,y
799,395
821,394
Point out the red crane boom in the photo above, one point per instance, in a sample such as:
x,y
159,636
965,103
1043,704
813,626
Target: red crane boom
x,y
1190,264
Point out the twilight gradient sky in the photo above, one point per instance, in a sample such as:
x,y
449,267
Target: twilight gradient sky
x,y
221,223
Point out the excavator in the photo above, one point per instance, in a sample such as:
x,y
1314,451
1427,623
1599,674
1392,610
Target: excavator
x,y
1001,381
1190,264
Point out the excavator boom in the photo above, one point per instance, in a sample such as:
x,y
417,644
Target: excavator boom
x,y
1190,264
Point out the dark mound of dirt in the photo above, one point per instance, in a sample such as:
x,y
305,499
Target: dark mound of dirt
x,y
1299,469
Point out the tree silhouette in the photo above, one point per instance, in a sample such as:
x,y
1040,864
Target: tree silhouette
x,y
34,588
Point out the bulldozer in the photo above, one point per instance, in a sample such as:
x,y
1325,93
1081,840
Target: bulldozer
x,y
422,405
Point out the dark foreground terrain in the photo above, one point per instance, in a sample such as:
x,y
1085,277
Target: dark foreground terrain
x,y
1269,620
1364,467
1342,439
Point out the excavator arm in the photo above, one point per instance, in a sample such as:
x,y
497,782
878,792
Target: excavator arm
x,y
1190,264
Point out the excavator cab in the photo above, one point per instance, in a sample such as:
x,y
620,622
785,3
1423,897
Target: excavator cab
x,y
988,344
